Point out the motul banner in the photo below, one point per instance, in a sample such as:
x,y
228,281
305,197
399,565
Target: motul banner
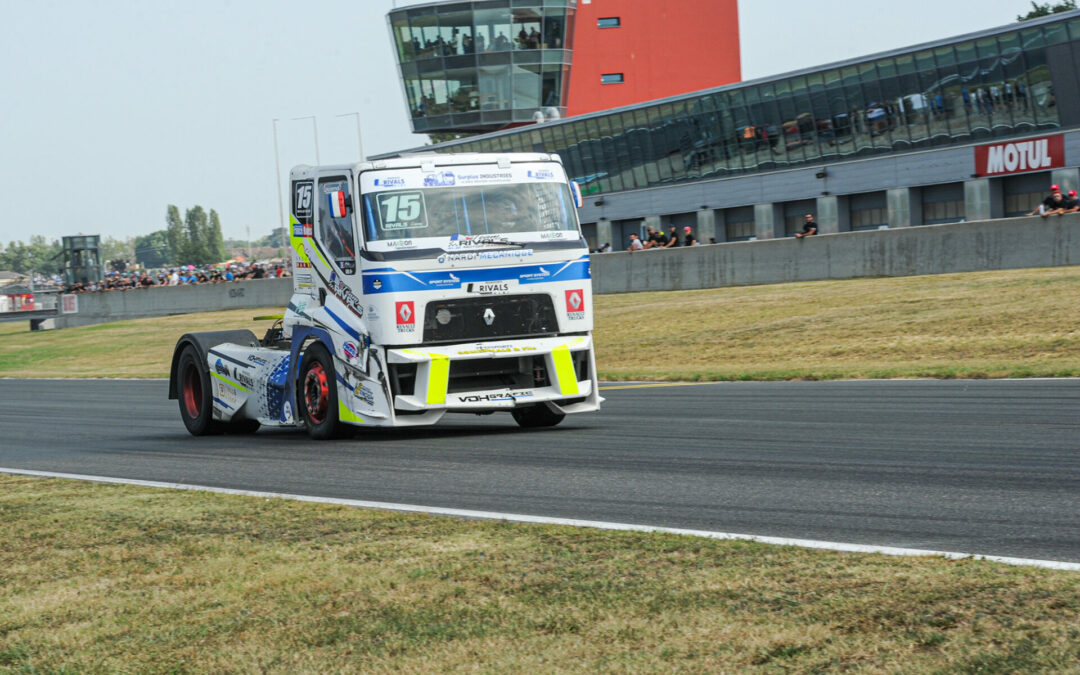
x,y
1033,154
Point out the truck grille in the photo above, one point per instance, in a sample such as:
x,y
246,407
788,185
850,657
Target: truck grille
x,y
490,317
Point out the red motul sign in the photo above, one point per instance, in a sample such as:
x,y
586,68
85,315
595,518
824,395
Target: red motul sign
x,y
1033,154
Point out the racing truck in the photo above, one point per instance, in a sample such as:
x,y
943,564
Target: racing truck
x,y
422,285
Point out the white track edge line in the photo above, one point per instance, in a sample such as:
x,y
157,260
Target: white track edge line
x,y
571,522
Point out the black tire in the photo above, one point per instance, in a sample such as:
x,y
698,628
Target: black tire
x,y
536,416
195,394
317,398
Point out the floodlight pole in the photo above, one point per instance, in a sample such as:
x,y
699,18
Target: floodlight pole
x,y
315,129
359,134
277,179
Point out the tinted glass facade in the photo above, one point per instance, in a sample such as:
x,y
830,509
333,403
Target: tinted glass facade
x,y
478,66
997,83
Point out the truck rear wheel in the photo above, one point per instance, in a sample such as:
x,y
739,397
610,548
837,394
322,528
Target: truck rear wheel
x,y
536,416
196,404
317,396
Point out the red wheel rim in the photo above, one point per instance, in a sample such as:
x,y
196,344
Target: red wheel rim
x,y
316,393
193,393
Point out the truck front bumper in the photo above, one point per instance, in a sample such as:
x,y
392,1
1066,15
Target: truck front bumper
x,y
498,375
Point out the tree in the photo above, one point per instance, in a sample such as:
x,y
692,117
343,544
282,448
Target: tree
x,y
40,256
116,249
153,250
1046,9
216,242
196,251
175,235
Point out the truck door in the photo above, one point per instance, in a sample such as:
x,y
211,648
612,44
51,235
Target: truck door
x,y
335,229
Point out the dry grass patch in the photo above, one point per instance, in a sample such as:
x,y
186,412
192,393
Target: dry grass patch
x,y
1015,323
135,348
98,578
1012,323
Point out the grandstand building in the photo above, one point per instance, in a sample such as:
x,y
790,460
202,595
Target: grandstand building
x,y
969,128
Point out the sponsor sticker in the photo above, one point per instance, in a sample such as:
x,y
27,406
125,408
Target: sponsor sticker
x,y
575,304
243,378
390,182
441,179
365,394
541,174
484,398
405,314
467,256
221,369
1036,154
350,350
256,360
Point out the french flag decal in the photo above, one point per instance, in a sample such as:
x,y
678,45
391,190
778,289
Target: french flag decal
x,y
337,203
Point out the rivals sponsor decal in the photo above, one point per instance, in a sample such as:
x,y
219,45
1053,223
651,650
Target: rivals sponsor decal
x,y
345,294
541,174
405,313
575,304
390,182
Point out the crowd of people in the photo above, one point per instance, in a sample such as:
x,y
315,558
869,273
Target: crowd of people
x,y
1057,203
185,275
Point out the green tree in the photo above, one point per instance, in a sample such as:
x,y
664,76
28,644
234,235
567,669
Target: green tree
x,y
153,250
116,249
196,251
175,235
216,241
1046,9
40,256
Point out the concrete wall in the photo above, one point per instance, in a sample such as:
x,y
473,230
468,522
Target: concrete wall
x,y
908,251
928,249
138,303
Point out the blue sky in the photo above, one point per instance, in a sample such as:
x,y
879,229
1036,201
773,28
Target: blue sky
x,y
113,109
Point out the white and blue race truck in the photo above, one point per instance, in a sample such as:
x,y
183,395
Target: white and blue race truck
x,y
422,285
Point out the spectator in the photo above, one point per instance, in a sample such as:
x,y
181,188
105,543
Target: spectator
x,y
688,237
635,243
809,227
712,240
650,237
1071,204
672,238
606,248
1051,204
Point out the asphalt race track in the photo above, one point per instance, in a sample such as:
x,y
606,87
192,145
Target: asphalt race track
x,y
985,467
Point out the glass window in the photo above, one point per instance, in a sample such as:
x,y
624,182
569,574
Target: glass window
x,y
608,22
611,78
455,28
527,86
551,93
526,27
492,30
494,84
403,37
645,153
554,26
463,90
569,42
335,222
424,35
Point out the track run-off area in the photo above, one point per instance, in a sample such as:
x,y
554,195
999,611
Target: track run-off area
x,y
979,467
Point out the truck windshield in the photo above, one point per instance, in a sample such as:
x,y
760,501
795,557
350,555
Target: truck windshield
x,y
472,210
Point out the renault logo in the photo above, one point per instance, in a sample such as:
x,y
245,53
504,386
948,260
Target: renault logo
x,y
489,316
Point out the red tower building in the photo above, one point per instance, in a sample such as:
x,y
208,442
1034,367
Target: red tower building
x,y
630,51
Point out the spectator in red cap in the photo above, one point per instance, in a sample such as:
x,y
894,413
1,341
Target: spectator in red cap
x,y
1071,204
1051,204
688,237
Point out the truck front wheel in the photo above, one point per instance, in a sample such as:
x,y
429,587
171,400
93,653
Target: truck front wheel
x,y
536,416
317,395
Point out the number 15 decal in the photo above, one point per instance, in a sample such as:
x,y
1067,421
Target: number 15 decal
x,y
402,210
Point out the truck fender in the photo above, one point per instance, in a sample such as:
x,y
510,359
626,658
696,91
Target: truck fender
x,y
203,343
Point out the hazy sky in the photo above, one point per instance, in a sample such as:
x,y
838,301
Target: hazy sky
x,y
110,110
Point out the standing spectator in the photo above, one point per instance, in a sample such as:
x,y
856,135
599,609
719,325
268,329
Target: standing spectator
x,y
809,227
650,237
673,238
635,243
688,237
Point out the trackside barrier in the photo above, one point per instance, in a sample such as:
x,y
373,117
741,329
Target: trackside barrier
x,y
1012,243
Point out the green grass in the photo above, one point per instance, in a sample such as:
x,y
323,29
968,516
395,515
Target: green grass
x,y
1012,323
97,578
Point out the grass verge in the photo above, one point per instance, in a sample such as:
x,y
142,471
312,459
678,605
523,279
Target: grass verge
x,y
1011,323
100,578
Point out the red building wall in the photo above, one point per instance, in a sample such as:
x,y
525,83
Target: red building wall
x,y
662,48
